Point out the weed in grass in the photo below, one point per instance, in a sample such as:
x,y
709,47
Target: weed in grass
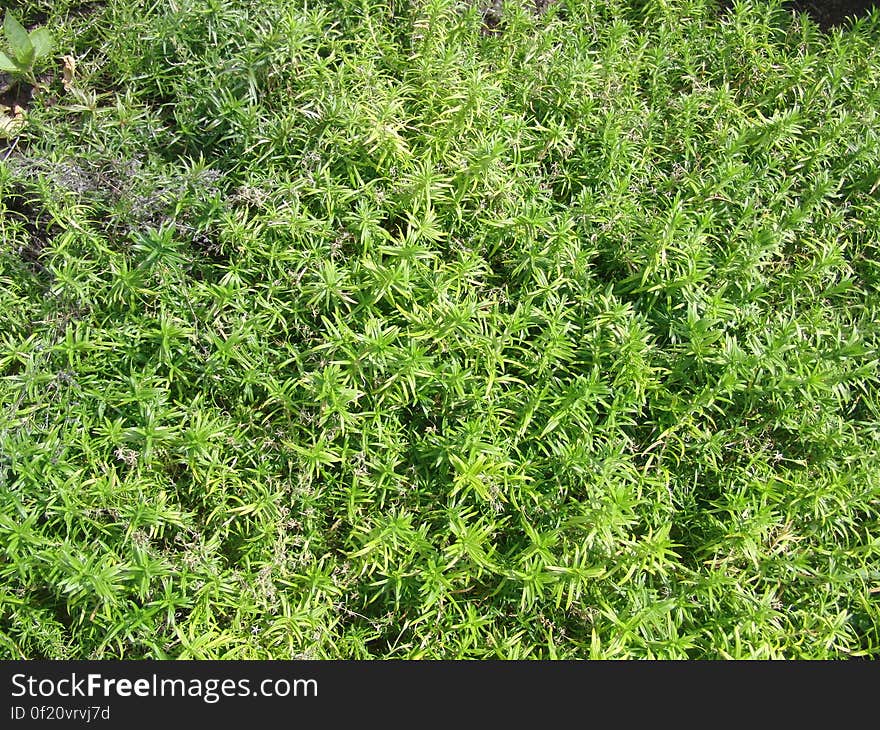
x,y
23,49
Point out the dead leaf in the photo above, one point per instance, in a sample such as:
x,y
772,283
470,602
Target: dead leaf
x,y
11,121
68,72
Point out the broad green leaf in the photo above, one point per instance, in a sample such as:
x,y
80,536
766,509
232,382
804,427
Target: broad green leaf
x,y
7,64
19,41
41,40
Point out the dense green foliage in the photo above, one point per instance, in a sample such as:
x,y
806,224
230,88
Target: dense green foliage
x,y
348,329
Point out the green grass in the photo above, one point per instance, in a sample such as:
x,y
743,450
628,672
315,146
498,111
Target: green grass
x,y
345,330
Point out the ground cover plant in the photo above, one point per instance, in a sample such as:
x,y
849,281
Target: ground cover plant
x,y
369,328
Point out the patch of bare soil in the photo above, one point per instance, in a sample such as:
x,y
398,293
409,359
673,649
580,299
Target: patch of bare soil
x,y
14,95
833,13
37,222
493,13
827,14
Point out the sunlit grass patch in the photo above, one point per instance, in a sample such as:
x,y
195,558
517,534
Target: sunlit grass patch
x,y
351,330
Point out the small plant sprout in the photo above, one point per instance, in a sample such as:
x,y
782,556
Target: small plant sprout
x,y
24,49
